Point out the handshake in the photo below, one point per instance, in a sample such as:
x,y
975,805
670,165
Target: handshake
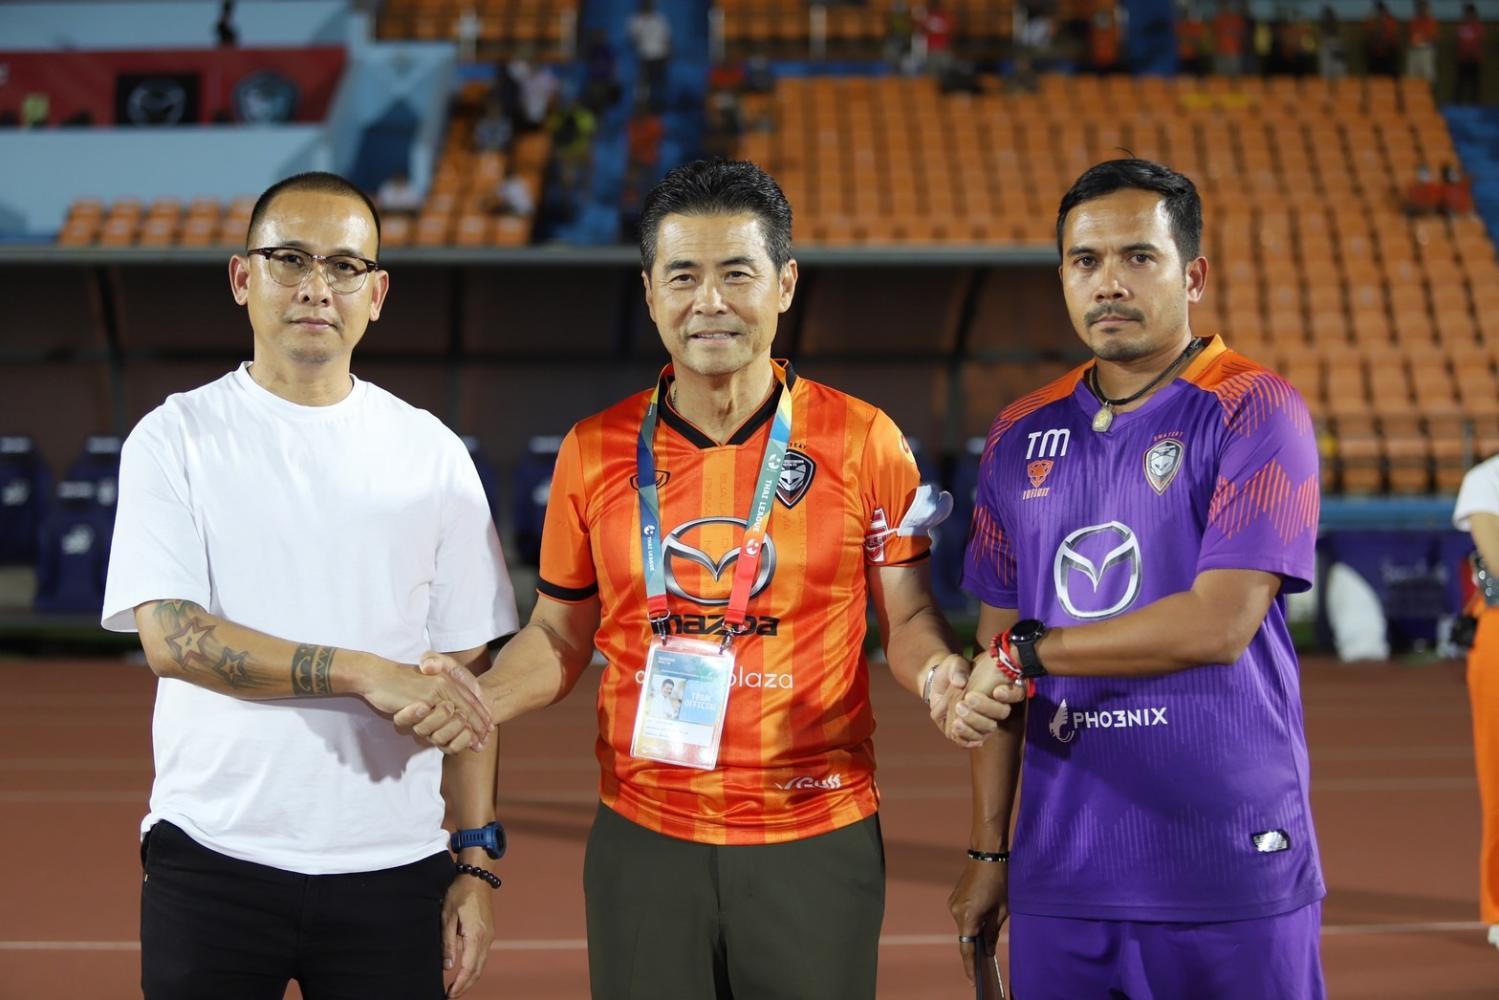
x,y
439,702
969,699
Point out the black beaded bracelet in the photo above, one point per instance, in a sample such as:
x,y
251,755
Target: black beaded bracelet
x,y
479,873
993,857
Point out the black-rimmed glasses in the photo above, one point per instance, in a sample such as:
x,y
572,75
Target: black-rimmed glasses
x,y
289,266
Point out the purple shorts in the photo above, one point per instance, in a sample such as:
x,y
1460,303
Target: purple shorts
x,y
1058,958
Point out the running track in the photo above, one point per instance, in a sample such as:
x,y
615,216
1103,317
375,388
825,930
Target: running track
x,y
1392,789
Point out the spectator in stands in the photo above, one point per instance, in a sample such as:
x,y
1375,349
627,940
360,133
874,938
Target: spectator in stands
x,y
289,539
513,196
1191,41
1295,44
1421,44
494,129
1469,56
572,128
1424,195
1382,42
535,87
900,33
643,135
601,79
1230,38
398,196
725,124
1477,512
650,32
1457,191
1104,42
937,29
1332,52
223,29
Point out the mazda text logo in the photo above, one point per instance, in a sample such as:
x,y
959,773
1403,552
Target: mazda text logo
x,y
1091,551
677,548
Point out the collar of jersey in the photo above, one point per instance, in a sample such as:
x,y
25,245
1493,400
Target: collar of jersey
x,y
1209,353
785,380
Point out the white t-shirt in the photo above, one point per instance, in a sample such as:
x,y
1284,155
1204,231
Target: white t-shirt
x,y
1479,493
361,525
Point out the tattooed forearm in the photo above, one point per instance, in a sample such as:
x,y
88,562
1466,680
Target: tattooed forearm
x,y
311,668
195,648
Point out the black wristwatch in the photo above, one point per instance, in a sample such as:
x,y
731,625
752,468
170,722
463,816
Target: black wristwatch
x,y
1024,635
490,836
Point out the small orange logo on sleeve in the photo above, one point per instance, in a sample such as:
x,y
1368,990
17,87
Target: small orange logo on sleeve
x,y
1038,471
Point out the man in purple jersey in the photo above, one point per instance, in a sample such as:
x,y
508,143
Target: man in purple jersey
x,y
1137,525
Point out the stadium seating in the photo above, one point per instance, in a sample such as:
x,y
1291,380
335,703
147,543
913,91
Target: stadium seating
x,y
1316,268
529,23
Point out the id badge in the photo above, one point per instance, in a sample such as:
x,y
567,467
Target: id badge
x,y
682,702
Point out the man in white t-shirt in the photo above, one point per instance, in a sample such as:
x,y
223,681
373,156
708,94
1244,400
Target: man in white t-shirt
x,y
290,542
1477,512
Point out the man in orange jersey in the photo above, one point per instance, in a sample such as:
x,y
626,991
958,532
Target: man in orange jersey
x,y
736,851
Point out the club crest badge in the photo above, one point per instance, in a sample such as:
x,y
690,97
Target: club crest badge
x,y
1162,462
796,475
1037,471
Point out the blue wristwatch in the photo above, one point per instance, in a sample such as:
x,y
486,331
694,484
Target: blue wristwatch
x,y
490,836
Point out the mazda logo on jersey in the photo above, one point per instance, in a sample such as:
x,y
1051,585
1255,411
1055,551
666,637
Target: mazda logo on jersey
x,y
679,548
1097,570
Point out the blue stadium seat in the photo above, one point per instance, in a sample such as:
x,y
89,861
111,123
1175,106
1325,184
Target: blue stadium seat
x,y
531,484
74,550
25,488
100,464
489,476
952,537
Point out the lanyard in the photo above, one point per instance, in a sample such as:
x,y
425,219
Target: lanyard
x,y
748,563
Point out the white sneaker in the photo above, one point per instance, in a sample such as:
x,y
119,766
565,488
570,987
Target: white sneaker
x,y
1494,935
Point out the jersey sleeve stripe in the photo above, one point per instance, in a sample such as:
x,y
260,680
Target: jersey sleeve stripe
x,y
569,594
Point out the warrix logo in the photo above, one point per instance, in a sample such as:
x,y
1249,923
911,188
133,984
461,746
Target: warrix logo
x,y
1097,570
829,783
678,548
1065,723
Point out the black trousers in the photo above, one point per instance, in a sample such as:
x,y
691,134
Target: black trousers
x,y
216,928
671,919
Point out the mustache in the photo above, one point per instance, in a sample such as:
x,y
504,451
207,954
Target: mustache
x,y
1112,311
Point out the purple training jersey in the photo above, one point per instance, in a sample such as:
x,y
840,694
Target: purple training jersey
x,y
1181,797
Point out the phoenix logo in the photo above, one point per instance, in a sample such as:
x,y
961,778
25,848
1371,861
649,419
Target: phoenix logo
x,y
1071,560
677,548
1058,726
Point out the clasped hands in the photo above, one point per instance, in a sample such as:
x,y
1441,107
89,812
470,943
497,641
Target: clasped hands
x,y
439,702
968,700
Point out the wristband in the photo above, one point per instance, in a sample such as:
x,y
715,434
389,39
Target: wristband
x,y
999,649
991,857
478,873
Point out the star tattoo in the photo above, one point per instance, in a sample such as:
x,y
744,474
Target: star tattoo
x,y
188,642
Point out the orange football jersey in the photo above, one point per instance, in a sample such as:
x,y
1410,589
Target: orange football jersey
x,y
797,757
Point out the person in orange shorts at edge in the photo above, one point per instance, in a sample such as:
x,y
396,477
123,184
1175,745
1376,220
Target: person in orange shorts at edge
x,y
1477,512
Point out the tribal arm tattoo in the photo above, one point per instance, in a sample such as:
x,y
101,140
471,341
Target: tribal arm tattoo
x,y
222,656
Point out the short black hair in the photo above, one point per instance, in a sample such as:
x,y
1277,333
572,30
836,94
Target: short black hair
x,y
718,187
1183,205
315,180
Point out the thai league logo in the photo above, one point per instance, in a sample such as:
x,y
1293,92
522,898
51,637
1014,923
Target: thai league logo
x,y
1097,571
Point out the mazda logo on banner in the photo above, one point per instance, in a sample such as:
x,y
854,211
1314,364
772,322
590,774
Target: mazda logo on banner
x,y
1097,570
678,548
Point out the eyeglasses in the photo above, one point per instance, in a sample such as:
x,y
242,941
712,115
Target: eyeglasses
x,y
290,267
